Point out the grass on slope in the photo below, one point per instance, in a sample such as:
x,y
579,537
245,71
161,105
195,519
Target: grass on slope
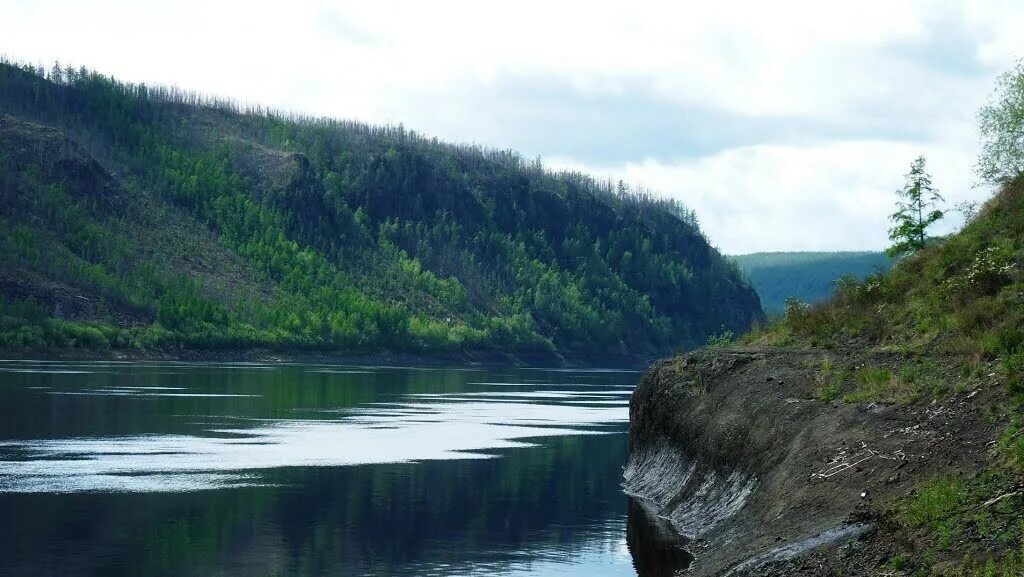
x,y
962,297
952,318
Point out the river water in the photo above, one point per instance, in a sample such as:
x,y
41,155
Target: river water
x,y
120,469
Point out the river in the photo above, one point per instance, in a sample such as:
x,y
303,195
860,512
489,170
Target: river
x,y
124,469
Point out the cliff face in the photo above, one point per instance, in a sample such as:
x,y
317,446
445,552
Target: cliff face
x,y
731,448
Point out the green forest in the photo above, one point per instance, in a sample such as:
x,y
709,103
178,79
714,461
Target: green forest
x,y
148,218
807,276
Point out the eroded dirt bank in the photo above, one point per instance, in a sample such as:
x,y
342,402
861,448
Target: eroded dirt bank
x,y
734,449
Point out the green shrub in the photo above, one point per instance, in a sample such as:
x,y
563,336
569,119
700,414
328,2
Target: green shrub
x,y
796,313
81,336
24,337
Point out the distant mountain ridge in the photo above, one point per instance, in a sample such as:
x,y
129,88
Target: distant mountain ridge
x,y
808,276
144,218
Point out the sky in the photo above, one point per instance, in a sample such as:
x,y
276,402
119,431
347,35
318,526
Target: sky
x,y
784,125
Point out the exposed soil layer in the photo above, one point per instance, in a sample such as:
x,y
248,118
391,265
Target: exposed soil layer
x,y
731,446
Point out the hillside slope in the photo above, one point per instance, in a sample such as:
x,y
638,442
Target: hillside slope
x,y
876,433
141,218
806,276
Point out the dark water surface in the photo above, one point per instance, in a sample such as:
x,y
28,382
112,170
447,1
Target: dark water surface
x,y
248,469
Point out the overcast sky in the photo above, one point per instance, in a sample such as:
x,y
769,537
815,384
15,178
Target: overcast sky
x,y
784,125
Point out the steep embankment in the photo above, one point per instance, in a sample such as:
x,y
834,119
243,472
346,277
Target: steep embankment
x,y
734,449
146,219
885,419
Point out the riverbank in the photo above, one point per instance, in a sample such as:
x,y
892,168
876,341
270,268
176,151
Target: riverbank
x,y
878,433
286,356
747,454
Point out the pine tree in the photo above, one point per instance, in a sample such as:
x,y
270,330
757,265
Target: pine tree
x,y
915,211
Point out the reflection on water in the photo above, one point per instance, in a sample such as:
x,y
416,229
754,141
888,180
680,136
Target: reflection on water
x,y
249,469
376,433
655,546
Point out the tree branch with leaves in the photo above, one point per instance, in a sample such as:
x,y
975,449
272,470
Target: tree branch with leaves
x,y
1001,125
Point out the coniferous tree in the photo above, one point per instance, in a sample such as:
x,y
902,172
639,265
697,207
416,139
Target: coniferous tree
x,y
915,211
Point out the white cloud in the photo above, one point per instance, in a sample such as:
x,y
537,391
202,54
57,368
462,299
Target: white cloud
x,y
909,73
831,196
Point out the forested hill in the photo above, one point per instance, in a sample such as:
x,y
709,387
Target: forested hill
x,y
148,218
807,276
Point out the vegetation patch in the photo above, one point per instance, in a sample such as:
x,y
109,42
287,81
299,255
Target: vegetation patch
x,y
978,514
1011,443
830,381
903,385
1008,565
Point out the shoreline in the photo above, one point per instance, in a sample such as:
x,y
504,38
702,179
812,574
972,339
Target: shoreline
x,y
735,442
400,359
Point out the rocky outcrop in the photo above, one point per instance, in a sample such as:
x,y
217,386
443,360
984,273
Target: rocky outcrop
x,y
731,449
